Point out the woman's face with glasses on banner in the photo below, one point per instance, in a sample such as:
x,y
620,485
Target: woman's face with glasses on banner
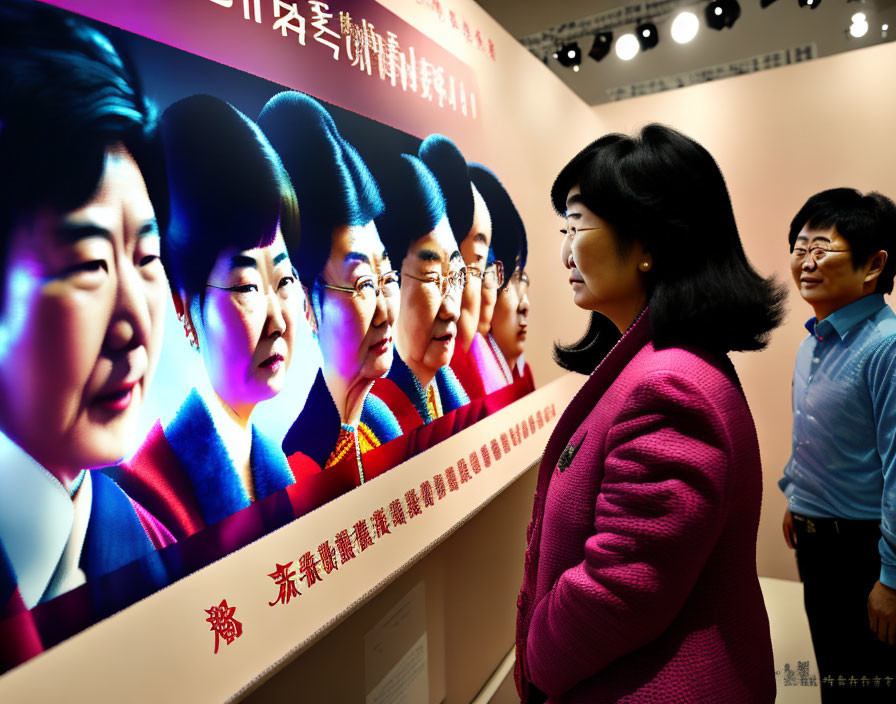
x,y
510,323
358,298
432,277
474,249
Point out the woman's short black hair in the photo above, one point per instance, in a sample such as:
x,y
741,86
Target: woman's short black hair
x,y
666,192
333,184
508,231
867,222
414,205
66,96
227,189
447,164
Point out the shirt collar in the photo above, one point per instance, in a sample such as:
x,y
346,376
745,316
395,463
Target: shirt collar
x,y
36,517
844,319
69,574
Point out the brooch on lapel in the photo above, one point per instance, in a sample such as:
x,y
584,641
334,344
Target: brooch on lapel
x,y
568,455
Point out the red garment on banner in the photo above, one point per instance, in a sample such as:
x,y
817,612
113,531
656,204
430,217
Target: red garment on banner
x,y
168,489
398,402
463,364
526,375
19,637
318,487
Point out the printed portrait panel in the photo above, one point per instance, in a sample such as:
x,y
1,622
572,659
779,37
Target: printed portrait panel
x,y
224,303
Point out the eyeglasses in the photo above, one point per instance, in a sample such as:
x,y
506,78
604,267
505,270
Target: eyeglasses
x,y
368,288
519,283
493,276
449,285
252,295
817,254
572,230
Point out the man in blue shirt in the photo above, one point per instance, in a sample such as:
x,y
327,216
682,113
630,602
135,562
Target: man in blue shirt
x,y
840,481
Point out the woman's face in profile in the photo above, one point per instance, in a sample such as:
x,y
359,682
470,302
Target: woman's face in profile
x,y
248,323
427,326
474,249
489,298
600,276
511,319
355,326
81,327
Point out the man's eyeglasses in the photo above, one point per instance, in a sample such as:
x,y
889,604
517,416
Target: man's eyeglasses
x,y
448,284
368,288
816,253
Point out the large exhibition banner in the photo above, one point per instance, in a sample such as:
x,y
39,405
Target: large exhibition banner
x,y
351,53
244,270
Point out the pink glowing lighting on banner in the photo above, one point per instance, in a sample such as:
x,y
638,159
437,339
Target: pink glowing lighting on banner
x,y
355,54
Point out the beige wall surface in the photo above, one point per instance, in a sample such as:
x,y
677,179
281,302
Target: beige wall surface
x,y
780,136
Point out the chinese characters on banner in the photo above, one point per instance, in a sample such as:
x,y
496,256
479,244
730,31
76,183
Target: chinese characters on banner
x,y
315,564
472,35
224,625
359,44
355,54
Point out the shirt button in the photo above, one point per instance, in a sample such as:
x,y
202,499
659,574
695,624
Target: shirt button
x,y
809,379
816,360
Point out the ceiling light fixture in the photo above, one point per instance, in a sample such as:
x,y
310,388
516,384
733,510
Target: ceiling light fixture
x,y
570,55
724,13
603,41
684,27
627,47
859,26
647,35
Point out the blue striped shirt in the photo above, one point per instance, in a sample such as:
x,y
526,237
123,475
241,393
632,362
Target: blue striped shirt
x,y
843,459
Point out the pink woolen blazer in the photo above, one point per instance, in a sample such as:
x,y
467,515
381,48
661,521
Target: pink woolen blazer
x,y
640,580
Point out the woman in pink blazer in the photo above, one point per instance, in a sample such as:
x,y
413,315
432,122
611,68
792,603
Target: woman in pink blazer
x,y
640,579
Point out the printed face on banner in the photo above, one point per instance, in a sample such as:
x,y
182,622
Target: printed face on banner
x,y
431,298
474,249
510,322
246,326
153,476
83,302
358,308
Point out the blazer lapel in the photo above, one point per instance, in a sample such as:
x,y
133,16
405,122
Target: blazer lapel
x,y
591,392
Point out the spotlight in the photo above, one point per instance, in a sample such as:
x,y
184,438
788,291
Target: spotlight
x,y
570,55
724,13
647,35
684,27
811,4
627,47
601,47
576,68
859,26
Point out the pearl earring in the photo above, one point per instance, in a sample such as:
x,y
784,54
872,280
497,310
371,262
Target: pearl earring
x,y
645,266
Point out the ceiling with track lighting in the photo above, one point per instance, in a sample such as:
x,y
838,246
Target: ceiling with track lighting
x,y
608,50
